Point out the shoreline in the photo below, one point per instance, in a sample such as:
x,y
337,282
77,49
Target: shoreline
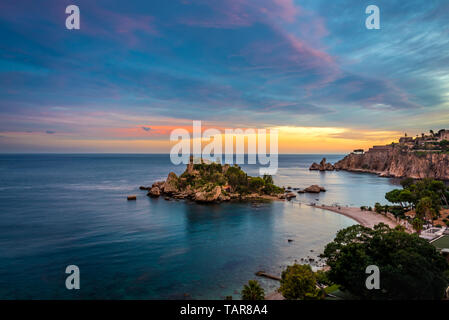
x,y
365,218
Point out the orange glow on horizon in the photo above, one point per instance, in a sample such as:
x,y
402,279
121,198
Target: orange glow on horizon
x,y
157,140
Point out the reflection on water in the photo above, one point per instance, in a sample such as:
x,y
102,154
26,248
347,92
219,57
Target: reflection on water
x,y
60,209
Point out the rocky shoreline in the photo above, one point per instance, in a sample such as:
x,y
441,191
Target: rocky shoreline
x,y
215,183
212,183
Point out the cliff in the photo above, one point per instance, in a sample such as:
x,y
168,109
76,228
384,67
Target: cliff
x,y
394,161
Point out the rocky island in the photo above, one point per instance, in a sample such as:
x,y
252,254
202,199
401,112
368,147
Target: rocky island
x,y
213,182
425,156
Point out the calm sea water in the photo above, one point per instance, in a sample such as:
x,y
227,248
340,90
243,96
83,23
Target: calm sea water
x,y
58,210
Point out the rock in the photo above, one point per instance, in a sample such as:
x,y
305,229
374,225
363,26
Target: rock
x,y
144,188
132,198
159,184
154,192
180,195
290,195
301,191
290,240
267,275
314,189
171,184
208,196
223,197
167,198
322,166
281,196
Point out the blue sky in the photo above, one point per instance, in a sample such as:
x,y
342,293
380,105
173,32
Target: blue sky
x,y
135,69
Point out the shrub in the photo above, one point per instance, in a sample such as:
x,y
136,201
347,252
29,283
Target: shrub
x,y
299,282
255,183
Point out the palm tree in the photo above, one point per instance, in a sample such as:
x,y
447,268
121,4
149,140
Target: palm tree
x,y
253,291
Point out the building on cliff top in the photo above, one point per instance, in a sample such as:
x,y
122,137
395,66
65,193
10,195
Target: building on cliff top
x,y
443,134
388,147
425,142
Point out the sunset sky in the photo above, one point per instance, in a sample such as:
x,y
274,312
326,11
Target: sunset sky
x,y
138,69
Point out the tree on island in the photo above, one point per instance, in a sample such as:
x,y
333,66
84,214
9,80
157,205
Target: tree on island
x,y
410,267
253,291
298,282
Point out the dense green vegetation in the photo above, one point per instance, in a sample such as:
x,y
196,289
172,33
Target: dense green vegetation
x,y
426,196
253,291
299,282
215,174
410,267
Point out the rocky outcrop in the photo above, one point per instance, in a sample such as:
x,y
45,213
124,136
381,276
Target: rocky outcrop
x,y
208,196
322,166
315,189
171,184
154,192
213,182
397,162
290,195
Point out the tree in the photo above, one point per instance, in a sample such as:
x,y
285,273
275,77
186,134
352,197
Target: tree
x,y
425,209
417,224
378,208
406,183
255,183
299,282
410,267
268,179
253,291
393,196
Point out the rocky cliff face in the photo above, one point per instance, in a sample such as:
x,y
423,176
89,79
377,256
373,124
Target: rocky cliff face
x,y
398,163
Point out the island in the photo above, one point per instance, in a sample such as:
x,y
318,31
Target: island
x,y
213,182
424,156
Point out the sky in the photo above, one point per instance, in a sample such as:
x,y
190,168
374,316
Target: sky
x,y
136,70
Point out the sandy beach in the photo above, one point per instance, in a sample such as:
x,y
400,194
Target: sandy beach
x,y
365,218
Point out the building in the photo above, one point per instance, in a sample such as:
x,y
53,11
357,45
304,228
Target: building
x,y
443,134
405,140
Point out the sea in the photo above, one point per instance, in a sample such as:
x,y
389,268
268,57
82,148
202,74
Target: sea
x,y
58,210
